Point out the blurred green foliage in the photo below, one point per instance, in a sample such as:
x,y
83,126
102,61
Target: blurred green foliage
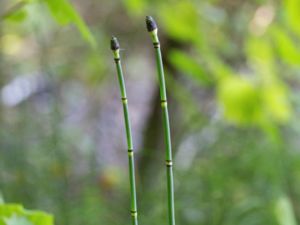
x,y
62,11
14,214
242,57
254,94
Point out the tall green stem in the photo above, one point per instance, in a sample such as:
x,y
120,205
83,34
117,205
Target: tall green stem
x,y
152,29
116,51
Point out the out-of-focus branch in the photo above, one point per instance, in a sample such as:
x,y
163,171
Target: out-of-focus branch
x,y
13,9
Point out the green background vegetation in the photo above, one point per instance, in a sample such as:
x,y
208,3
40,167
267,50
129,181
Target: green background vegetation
x,y
232,70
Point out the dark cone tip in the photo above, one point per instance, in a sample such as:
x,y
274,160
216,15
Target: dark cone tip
x,y
114,44
151,24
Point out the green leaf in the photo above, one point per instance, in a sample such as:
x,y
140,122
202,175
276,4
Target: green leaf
x,y
217,66
284,211
18,16
180,20
9,209
286,47
64,13
14,214
16,12
188,65
240,100
292,14
260,54
135,7
276,101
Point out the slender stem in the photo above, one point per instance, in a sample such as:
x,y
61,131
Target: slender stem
x,y
133,206
152,29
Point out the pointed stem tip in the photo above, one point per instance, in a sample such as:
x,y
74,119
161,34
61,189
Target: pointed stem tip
x,y
114,44
151,24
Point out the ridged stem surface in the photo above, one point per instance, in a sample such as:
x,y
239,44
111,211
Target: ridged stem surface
x,y
133,200
166,125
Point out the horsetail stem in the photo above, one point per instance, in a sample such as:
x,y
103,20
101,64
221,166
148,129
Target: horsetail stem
x,y
115,47
152,29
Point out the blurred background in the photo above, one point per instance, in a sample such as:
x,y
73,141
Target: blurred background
x,y
233,79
